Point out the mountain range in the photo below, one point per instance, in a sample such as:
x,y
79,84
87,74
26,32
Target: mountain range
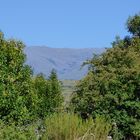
x,y
66,61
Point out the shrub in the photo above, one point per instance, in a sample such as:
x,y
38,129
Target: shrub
x,y
66,126
13,132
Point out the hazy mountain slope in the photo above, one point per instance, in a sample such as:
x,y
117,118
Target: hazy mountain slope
x,y
66,61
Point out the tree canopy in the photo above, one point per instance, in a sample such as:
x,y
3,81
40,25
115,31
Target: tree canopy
x,y
49,94
15,81
112,85
133,25
22,96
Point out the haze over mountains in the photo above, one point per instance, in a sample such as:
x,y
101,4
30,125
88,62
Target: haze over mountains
x,y
66,61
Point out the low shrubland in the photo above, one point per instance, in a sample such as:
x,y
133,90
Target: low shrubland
x,y
58,126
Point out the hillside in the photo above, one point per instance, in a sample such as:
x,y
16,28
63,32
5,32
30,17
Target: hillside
x,y
66,61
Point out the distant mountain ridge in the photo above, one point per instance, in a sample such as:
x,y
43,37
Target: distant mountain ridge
x,y
66,61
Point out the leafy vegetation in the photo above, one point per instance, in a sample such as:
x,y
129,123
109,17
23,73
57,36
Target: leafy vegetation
x,y
14,132
61,126
106,101
112,85
49,94
15,82
22,97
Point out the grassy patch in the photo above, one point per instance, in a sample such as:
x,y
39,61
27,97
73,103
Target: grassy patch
x,y
68,86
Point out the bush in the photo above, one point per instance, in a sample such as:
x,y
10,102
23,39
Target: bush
x,y
13,132
66,126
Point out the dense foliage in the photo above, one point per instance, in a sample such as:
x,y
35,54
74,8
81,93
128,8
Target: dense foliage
x,y
111,90
15,82
49,94
112,85
22,97
133,25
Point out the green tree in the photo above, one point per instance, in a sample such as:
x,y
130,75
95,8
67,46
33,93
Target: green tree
x,y
55,91
112,87
49,94
40,89
133,25
15,82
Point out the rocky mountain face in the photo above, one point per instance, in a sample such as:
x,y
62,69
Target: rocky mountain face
x,y
66,61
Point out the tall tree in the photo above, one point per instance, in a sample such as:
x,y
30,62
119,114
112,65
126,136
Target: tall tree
x,y
49,94
112,86
15,81
55,90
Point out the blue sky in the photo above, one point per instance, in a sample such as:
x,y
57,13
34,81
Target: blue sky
x,y
66,23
